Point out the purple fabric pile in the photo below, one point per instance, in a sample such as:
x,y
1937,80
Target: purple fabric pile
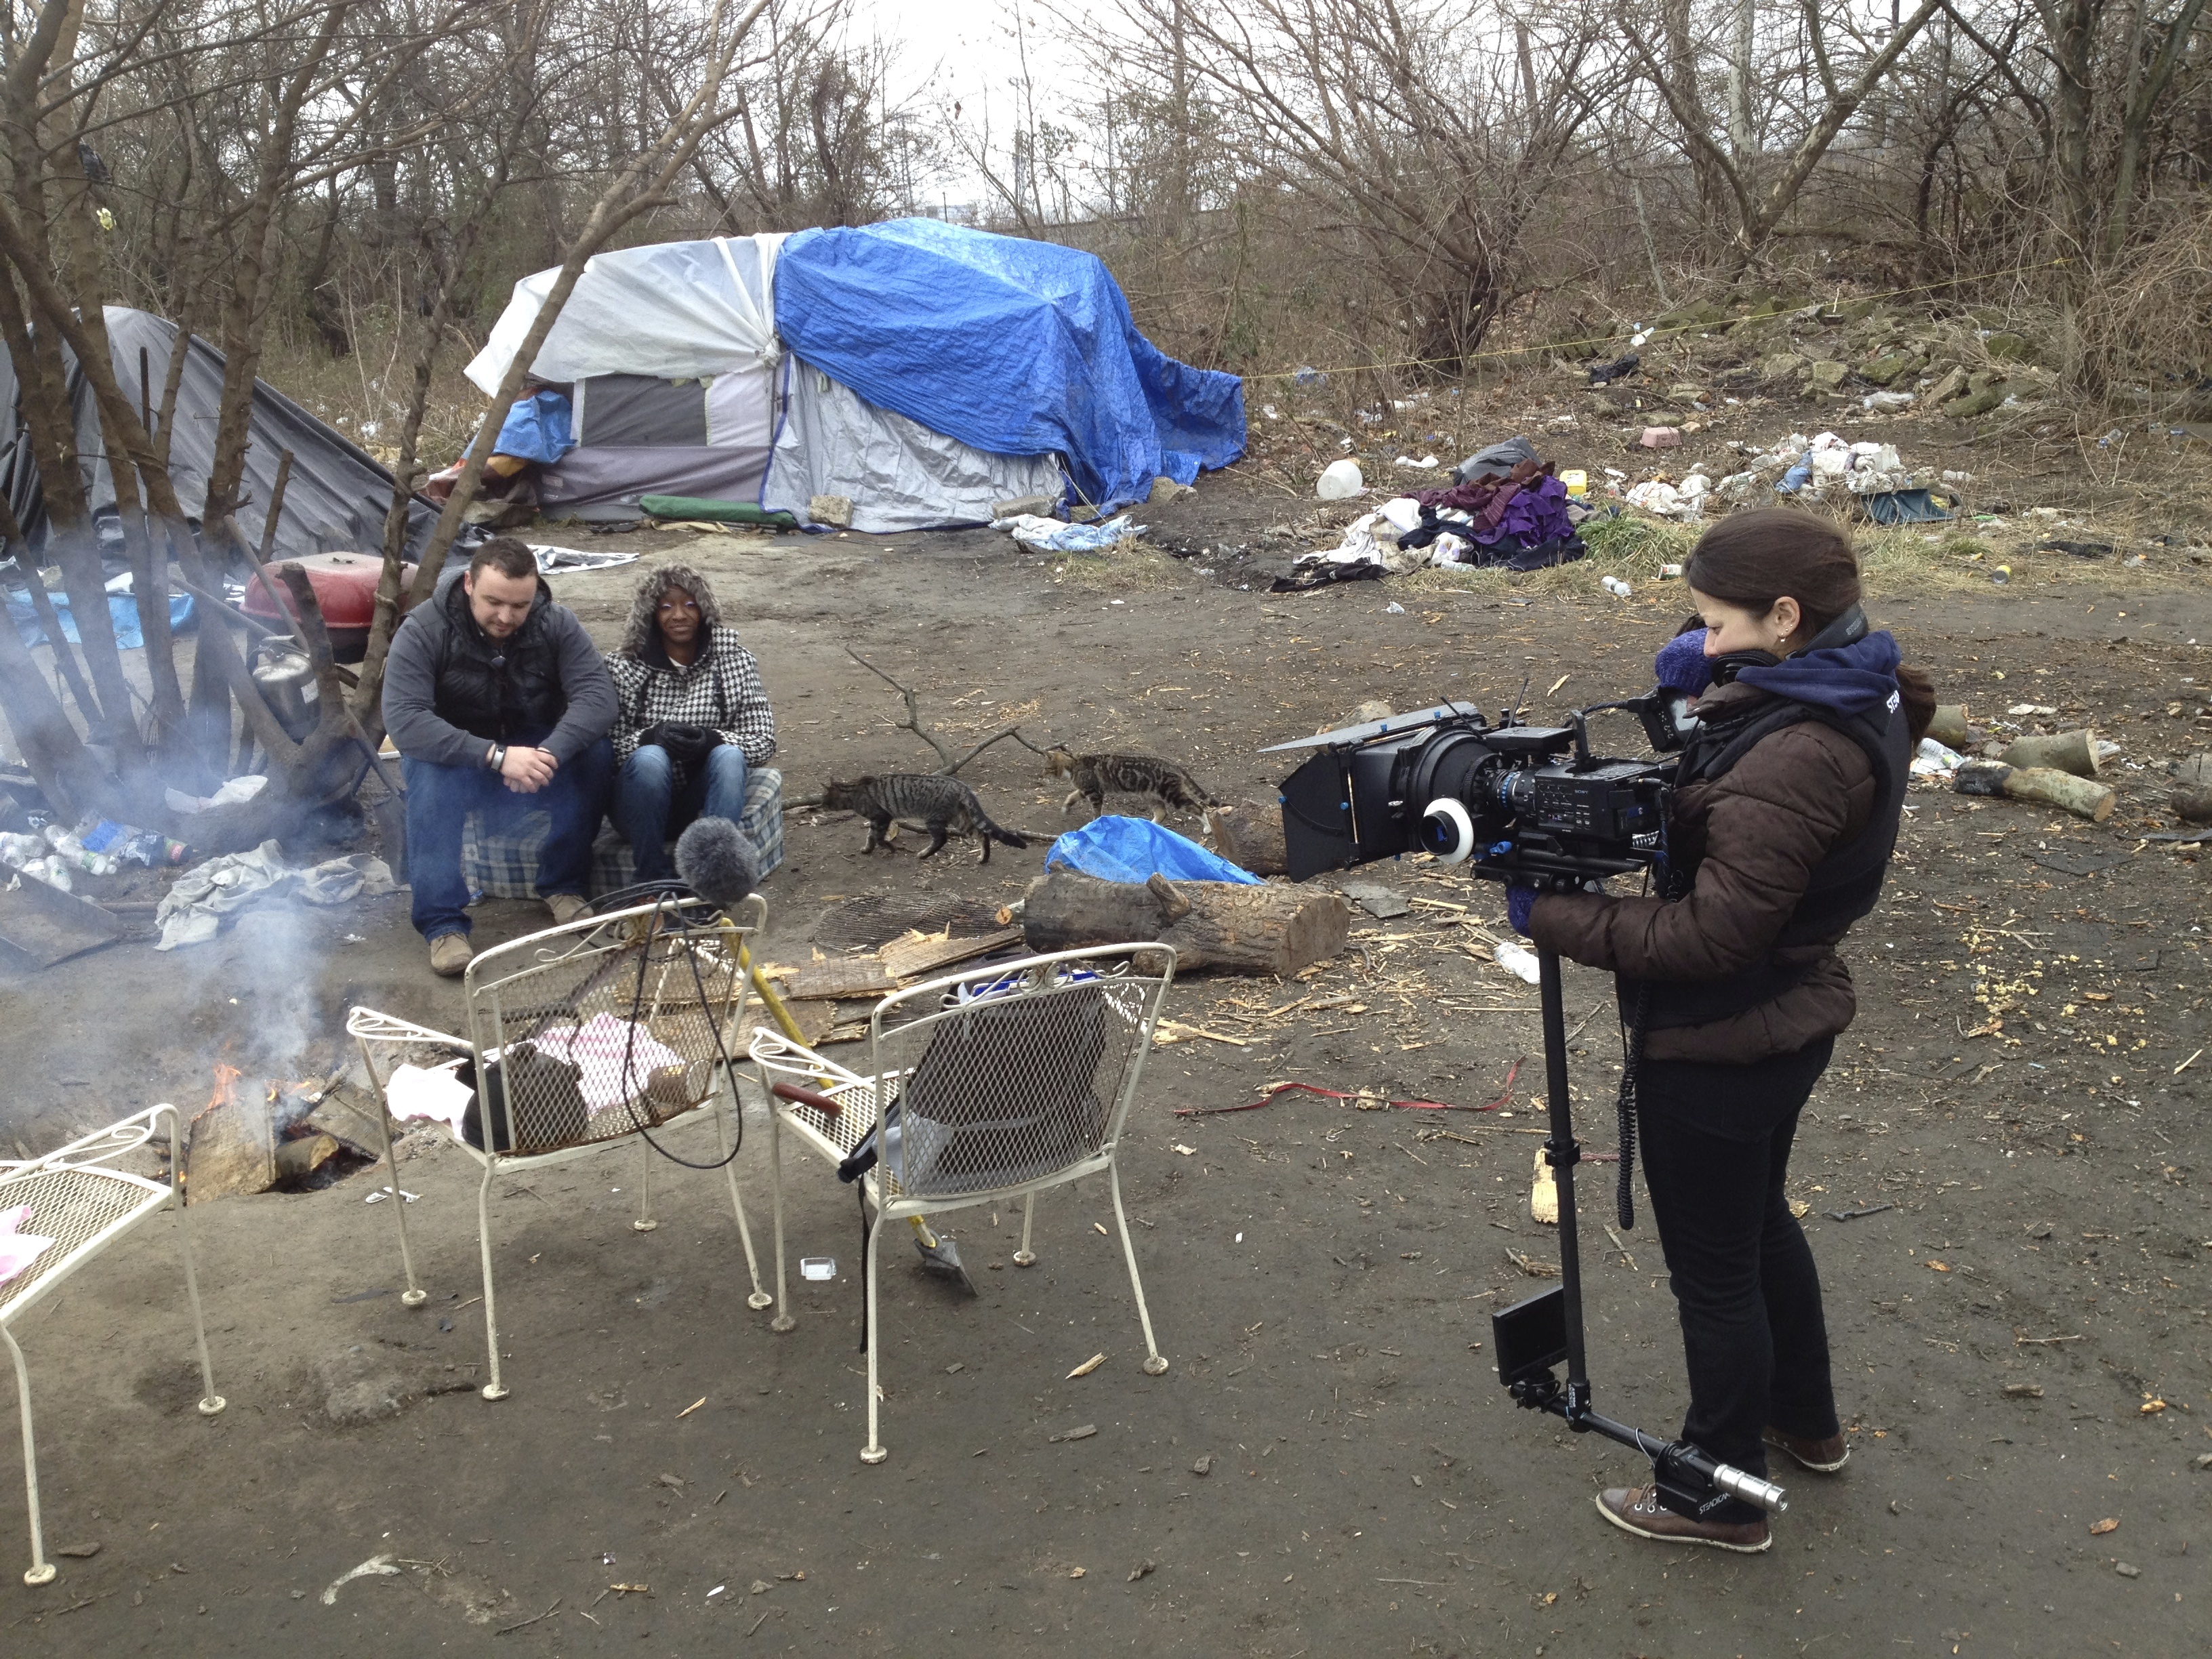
x,y
1520,519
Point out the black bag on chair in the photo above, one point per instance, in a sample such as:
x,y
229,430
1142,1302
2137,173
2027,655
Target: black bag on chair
x,y
546,1095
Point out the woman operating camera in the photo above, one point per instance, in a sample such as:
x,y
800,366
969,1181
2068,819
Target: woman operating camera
x,y
1785,813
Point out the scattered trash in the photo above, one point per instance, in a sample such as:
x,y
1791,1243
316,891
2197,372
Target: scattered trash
x,y
563,561
1661,437
2025,1390
1393,609
1619,369
2079,550
1082,1433
1614,585
818,1268
1885,402
192,912
1854,1215
1380,901
1339,481
377,1566
234,791
383,1193
1934,760
1309,377
1086,1367
1577,483
1042,535
1426,464
1362,1099
18,1251
1516,960
1669,573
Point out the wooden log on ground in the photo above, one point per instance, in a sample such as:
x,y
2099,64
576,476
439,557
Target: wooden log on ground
x,y
2082,797
2192,789
1950,726
2066,751
1249,835
1216,926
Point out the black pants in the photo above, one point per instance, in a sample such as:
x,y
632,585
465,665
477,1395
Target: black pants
x,y
1716,1143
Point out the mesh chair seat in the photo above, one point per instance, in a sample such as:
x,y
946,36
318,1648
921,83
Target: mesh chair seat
x,y
78,1200
986,1085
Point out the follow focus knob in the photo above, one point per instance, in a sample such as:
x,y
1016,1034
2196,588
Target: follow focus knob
x,y
1448,831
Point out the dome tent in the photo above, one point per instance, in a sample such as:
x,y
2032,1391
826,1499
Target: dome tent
x,y
922,370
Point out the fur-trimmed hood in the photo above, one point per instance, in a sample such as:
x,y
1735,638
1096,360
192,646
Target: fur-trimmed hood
x,y
641,629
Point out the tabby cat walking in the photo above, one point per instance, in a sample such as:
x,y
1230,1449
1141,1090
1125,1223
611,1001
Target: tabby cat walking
x,y
943,804
1095,777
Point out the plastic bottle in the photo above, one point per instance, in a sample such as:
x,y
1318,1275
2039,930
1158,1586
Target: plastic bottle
x,y
1340,480
1614,585
18,851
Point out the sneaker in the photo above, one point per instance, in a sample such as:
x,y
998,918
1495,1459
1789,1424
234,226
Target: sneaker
x,y
565,907
1822,1456
450,954
1638,1510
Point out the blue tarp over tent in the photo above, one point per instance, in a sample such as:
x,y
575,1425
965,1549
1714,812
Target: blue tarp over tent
x,y
1013,347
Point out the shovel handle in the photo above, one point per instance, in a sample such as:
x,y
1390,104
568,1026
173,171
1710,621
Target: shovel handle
x,y
821,1103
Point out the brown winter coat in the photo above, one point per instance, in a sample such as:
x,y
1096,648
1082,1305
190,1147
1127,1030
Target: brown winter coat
x,y
1762,825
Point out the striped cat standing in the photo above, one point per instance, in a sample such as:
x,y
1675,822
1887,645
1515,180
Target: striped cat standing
x,y
942,805
1095,777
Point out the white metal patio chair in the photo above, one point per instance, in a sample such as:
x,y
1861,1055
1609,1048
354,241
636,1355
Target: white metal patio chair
x,y
610,1030
84,1205
980,1088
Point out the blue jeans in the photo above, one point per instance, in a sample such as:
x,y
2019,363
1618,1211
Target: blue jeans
x,y
438,801
649,807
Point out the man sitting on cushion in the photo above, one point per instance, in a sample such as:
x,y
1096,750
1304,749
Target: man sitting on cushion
x,y
498,704
694,717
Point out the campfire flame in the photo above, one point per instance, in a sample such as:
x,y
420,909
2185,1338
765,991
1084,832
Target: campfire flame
x,y
225,1089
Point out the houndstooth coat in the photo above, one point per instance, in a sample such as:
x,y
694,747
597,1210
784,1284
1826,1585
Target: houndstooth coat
x,y
719,688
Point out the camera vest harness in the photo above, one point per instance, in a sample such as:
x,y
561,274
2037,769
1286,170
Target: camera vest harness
x,y
1843,886
508,690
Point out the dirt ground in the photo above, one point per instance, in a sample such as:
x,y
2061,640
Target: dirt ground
x,y
2015,1091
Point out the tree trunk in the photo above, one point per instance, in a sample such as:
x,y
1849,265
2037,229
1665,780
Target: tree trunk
x,y
1217,925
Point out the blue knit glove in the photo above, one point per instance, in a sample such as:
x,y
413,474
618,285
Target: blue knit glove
x,y
1520,900
1682,665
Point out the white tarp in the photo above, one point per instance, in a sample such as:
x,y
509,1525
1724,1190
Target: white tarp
x,y
677,310
897,473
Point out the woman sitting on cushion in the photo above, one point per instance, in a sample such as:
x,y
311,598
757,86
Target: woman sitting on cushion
x,y
694,716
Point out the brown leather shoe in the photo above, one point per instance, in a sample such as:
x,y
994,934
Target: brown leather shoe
x,y
1638,1510
1822,1456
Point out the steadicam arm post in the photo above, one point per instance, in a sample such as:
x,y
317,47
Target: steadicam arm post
x,y
1534,1337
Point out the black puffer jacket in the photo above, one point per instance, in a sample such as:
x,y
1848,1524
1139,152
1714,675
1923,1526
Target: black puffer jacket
x,y
450,689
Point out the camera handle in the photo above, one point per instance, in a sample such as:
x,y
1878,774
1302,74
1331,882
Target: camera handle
x,y
1690,1482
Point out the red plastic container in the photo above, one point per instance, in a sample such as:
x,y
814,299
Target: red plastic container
x,y
345,588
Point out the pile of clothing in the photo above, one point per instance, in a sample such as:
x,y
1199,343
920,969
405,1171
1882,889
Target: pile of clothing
x,y
1506,508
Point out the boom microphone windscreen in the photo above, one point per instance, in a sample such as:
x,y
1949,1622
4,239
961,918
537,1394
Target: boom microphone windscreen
x,y
714,860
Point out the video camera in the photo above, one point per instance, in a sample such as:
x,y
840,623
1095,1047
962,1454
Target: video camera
x,y
1524,803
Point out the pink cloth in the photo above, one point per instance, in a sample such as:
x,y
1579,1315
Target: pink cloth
x,y
598,1049
18,1251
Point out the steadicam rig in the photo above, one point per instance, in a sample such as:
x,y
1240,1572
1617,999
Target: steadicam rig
x,y
1523,804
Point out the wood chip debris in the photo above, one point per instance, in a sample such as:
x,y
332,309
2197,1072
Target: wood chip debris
x,y
1084,1370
